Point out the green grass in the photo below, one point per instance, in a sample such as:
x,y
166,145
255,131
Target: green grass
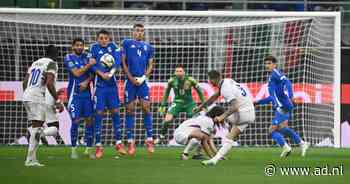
x,y
244,166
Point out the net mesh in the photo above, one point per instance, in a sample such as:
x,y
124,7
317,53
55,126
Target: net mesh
x,y
235,46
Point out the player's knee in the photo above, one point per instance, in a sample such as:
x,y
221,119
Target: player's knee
x,y
115,111
101,113
145,108
36,124
168,117
283,124
88,121
130,109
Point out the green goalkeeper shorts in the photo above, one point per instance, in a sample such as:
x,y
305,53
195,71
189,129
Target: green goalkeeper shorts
x,y
176,108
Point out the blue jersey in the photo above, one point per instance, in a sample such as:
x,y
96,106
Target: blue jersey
x,y
72,61
138,55
96,52
280,90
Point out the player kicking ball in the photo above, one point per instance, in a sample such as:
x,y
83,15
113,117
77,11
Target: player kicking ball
x,y
239,114
41,76
199,131
281,97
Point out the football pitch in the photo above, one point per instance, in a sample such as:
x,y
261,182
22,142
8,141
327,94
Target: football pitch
x,y
243,166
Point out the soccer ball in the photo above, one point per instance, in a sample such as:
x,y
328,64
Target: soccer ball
x,y
107,60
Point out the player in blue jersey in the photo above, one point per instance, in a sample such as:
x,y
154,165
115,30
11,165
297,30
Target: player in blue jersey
x,y
107,57
281,97
80,104
137,59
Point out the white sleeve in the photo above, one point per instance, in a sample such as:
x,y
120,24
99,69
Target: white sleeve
x,y
207,126
228,90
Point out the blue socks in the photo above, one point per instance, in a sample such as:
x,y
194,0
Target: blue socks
x,y
292,134
130,121
278,138
98,124
116,126
74,133
147,120
89,129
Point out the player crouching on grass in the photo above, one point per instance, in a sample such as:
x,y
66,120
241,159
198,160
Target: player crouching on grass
x,y
199,130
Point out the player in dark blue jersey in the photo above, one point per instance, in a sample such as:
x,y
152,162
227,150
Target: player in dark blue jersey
x,y
137,59
80,104
281,97
107,56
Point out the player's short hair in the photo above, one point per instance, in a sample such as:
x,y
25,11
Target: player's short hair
x,y
75,40
51,51
270,58
214,74
102,31
138,25
180,66
215,111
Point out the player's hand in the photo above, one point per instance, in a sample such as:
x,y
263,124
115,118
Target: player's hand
x,y
59,106
135,82
91,62
83,86
197,109
218,119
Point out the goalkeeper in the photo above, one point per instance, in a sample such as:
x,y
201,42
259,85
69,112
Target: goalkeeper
x,y
182,85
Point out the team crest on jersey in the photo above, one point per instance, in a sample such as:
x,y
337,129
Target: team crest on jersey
x,y
133,46
145,47
187,85
100,52
71,64
109,49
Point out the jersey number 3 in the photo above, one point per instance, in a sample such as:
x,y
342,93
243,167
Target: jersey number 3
x,y
243,92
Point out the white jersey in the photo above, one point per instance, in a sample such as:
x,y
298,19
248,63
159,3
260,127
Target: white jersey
x,y
204,123
230,90
36,90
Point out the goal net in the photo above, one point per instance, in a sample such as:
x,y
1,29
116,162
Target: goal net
x,y
235,43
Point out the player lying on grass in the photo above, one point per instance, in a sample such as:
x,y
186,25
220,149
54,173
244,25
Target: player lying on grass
x,y
182,85
281,97
239,114
199,131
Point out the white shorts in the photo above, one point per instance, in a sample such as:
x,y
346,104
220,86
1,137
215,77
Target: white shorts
x,y
241,120
181,135
40,112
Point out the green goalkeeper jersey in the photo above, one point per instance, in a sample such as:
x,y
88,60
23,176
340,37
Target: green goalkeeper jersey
x,y
182,90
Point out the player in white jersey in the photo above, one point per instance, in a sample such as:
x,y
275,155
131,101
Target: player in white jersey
x,y
40,77
239,114
199,130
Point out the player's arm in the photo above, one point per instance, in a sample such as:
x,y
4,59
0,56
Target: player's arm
x,y
212,145
208,102
165,97
127,72
288,84
84,85
203,137
149,67
233,107
198,90
25,81
206,146
77,72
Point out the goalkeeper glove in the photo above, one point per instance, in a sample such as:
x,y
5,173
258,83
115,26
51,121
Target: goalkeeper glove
x,y
161,110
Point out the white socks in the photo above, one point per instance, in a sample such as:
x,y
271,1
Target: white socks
x,y
193,143
33,144
226,147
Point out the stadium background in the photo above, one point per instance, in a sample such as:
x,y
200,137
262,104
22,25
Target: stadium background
x,y
301,5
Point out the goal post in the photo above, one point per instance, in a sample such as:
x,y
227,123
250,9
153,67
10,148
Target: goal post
x,y
307,45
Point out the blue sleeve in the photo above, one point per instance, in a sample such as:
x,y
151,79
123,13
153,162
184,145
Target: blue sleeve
x,y
266,100
272,91
117,58
124,46
92,52
69,64
289,87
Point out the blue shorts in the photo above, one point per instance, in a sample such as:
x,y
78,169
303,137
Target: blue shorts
x,y
106,98
132,92
280,117
80,108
